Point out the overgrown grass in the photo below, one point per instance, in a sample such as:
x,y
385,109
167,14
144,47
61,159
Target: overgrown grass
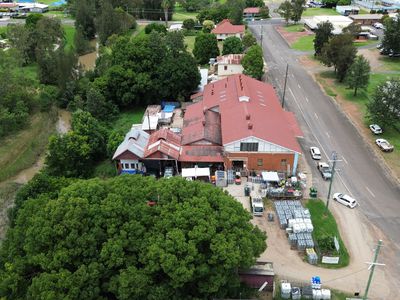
x,y
105,169
305,43
325,225
126,119
314,11
20,151
294,28
180,14
69,35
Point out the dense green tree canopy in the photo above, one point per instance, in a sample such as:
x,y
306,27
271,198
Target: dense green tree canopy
x,y
248,40
253,62
285,10
205,47
322,35
100,240
232,45
391,38
384,108
298,9
340,53
216,13
358,74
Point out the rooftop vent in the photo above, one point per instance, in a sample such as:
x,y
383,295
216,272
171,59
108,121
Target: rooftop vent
x,y
250,125
244,99
248,116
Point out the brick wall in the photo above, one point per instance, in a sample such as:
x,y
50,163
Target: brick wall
x,y
270,161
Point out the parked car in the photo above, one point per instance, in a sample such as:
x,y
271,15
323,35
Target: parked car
x,y
325,170
394,54
315,153
385,51
384,145
379,46
376,129
344,199
378,25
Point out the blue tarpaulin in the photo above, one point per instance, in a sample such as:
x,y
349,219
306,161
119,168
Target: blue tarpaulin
x,y
169,108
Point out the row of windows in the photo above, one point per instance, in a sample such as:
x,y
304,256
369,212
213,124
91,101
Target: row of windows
x,y
132,166
250,147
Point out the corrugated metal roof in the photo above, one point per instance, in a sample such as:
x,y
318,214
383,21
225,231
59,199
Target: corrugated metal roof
x,y
135,142
225,26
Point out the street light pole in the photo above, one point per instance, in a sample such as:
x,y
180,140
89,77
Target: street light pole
x,y
284,87
334,159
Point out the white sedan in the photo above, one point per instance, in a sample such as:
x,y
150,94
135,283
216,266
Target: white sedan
x,y
384,145
315,153
376,129
344,199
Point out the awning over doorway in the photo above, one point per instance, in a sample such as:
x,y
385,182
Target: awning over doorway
x,y
195,172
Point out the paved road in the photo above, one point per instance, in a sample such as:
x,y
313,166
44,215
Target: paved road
x,y
359,172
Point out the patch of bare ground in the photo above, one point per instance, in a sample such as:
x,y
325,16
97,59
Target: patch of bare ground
x,y
373,58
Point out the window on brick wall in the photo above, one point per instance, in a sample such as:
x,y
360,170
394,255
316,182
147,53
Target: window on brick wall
x,y
260,162
250,147
283,162
225,68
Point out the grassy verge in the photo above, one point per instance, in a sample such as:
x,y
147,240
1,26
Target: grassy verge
x,y
391,63
305,43
334,88
325,225
294,28
69,35
20,151
181,14
313,11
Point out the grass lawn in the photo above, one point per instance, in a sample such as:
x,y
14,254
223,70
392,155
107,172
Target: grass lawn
x,y
325,225
313,11
294,28
334,88
365,43
126,119
3,29
180,14
391,63
305,43
189,41
22,149
69,35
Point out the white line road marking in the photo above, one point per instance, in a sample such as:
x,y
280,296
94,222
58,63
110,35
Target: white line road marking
x,y
328,135
290,90
345,160
299,86
316,116
370,192
306,99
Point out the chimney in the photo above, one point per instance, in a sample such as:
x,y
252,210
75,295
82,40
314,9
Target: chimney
x,y
247,116
250,125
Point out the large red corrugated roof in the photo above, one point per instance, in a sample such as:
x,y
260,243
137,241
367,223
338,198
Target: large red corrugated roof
x,y
251,10
248,107
164,141
202,153
225,26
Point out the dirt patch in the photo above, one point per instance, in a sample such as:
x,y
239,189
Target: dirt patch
x,y
291,37
373,58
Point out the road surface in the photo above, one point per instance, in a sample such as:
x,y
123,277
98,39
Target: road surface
x,y
360,172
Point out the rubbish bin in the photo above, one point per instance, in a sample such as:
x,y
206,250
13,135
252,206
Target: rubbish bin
x,y
247,191
313,192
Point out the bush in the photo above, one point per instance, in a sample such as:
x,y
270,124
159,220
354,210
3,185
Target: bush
x,y
155,27
188,24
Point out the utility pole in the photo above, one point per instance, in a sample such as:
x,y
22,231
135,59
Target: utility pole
x,y
334,160
284,87
371,269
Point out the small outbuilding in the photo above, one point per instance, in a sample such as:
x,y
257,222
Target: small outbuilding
x,y
346,10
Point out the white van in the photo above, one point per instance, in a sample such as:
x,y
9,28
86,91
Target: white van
x,y
344,199
257,206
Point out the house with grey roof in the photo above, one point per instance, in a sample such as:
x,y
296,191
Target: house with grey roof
x,y
130,152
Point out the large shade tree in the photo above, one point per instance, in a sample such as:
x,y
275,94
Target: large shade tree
x,y
101,240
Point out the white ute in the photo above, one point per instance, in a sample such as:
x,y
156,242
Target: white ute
x,y
344,199
257,206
